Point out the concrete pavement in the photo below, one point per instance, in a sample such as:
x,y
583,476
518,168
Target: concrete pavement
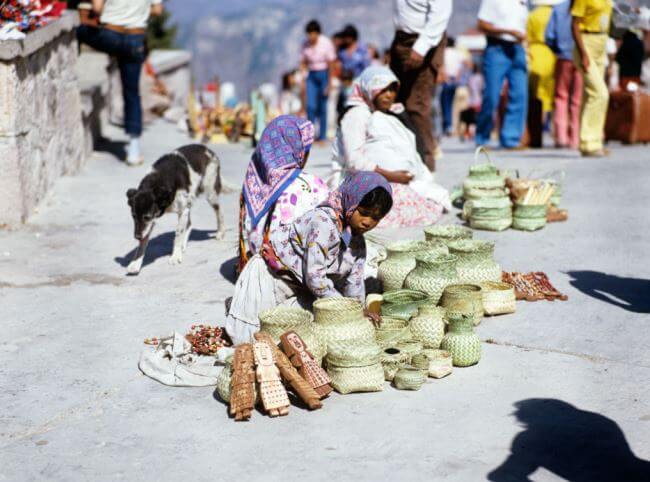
x,y
562,391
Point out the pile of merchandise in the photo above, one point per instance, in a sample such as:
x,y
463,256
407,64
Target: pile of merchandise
x,y
20,16
219,124
533,286
490,196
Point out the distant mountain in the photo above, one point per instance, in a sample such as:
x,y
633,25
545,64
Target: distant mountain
x,y
254,41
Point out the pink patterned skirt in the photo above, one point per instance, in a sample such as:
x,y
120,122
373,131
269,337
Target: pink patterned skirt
x,y
410,209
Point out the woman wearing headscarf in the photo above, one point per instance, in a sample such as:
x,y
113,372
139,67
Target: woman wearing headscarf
x,y
375,134
321,254
276,189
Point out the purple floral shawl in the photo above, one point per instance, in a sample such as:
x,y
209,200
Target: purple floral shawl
x,y
350,193
277,161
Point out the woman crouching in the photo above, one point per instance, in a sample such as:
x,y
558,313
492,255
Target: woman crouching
x,y
321,254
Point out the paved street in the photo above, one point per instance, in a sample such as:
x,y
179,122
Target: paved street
x,y
562,391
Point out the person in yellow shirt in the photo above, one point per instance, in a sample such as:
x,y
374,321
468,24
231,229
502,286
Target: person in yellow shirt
x,y
590,25
541,69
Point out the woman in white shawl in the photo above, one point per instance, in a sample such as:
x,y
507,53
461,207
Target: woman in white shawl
x,y
373,136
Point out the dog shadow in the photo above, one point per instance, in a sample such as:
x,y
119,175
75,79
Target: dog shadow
x,y
115,148
162,245
228,269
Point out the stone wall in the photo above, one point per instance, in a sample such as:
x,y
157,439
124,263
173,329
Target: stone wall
x,y
41,132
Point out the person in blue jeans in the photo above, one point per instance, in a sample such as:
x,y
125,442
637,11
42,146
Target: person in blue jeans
x,y
318,56
122,35
504,24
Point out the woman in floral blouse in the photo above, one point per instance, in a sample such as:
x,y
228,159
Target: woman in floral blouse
x,y
321,254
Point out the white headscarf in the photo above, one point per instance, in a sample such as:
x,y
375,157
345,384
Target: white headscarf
x,y
371,82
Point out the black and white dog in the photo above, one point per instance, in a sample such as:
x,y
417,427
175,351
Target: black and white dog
x,y
176,179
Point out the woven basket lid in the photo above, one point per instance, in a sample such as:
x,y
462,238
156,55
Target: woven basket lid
x,y
470,246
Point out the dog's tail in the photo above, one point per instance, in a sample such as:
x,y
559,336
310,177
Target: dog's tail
x,y
228,187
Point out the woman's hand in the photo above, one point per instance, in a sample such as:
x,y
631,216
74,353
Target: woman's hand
x,y
398,177
374,317
584,62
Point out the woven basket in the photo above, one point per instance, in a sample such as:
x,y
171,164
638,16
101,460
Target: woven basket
x,y
409,378
391,337
341,319
410,347
224,379
498,298
491,214
400,262
440,363
277,321
475,193
353,353
432,274
388,323
420,361
529,217
357,379
475,263
461,341
463,299
446,232
392,359
428,326
491,224
402,303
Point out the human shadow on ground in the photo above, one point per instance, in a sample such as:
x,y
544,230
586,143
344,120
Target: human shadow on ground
x,y
228,269
162,245
631,294
115,148
574,444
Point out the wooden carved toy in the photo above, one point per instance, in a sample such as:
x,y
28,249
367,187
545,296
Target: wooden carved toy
x,y
242,398
274,396
304,361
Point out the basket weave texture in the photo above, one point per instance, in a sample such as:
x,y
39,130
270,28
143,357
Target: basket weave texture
x,y
444,233
428,326
392,359
498,298
409,378
277,321
461,341
432,274
529,217
341,319
463,299
357,379
400,262
475,263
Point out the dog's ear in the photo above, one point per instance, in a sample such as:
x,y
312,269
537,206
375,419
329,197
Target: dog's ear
x,y
129,194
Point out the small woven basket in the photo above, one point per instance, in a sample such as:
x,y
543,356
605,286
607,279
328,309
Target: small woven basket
x,y
420,361
529,217
353,353
440,363
402,303
357,379
392,359
498,298
429,326
410,347
409,378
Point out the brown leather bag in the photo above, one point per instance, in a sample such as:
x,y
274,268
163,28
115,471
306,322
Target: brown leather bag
x,y
628,117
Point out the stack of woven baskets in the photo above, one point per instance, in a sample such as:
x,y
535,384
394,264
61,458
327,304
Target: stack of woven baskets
x,y
484,180
277,321
355,366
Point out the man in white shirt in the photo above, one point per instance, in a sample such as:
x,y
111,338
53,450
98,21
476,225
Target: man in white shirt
x,y
122,35
417,54
504,24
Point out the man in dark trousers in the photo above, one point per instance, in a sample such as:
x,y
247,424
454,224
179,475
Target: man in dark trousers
x,y
417,54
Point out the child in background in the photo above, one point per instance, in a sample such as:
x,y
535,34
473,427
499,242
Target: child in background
x,y
469,115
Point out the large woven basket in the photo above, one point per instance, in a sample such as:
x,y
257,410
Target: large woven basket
x,y
465,299
353,353
392,359
277,321
409,378
444,233
357,379
428,326
400,262
432,274
491,214
498,298
475,263
341,319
